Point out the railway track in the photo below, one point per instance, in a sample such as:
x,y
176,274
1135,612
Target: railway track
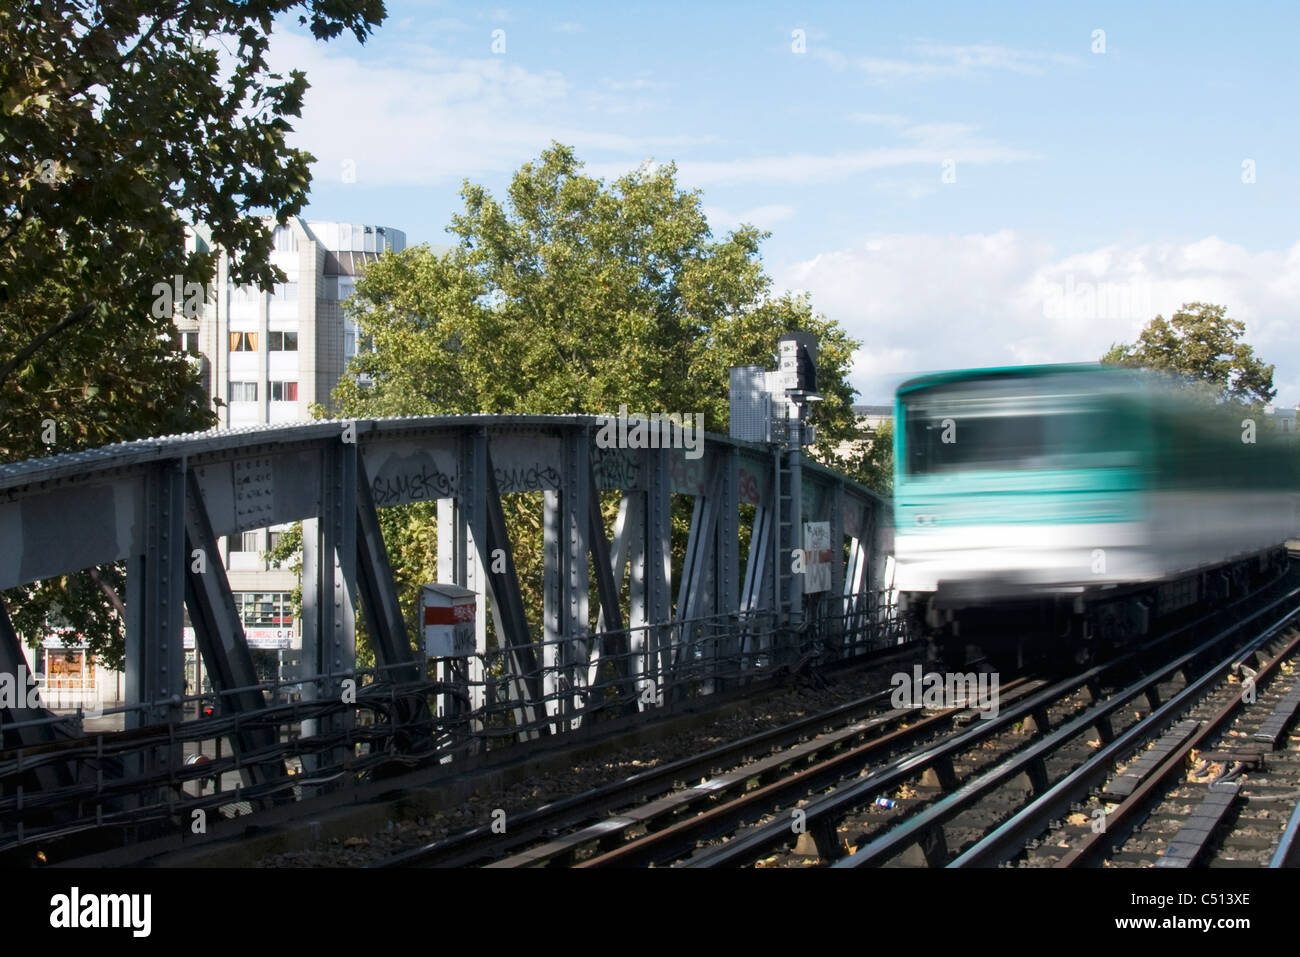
x,y
1215,789
961,830
553,832
870,786
1173,708
943,787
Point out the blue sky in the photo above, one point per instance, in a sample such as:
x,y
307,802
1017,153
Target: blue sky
x,y
1084,190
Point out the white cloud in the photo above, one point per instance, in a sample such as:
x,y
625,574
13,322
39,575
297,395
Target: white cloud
x,y
879,119
423,117
641,82
430,118
836,59
813,167
922,302
933,60
972,57
927,144
639,94
904,188
432,25
761,216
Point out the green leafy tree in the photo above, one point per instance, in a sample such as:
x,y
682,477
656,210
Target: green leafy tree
x,y
120,122
1201,345
578,297
873,462
574,296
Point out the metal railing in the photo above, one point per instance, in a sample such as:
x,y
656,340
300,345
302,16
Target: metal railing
x,y
150,781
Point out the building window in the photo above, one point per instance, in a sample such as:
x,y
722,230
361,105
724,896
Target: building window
x,y
190,343
273,540
243,392
285,240
265,609
349,343
243,342
248,542
287,291
284,392
69,669
238,294
282,341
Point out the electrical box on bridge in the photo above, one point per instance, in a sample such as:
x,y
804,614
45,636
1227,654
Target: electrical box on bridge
x,y
797,361
447,617
761,407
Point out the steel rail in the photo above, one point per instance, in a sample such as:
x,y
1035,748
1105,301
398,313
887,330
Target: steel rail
x,y
1008,838
672,841
821,815
479,843
1097,844
1288,849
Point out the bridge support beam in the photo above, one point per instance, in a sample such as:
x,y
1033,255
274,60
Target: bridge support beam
x,y
509,618
13,663
648,527
155,594
219,638
628,555
471,504
566,633
611,644
756,600
726,597
694,597
329,637
854,607
397,663
462,540
833,632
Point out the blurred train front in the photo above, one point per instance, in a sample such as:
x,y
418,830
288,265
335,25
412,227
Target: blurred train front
x,y
1075,500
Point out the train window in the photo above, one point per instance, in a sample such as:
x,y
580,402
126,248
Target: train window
x,y
979,426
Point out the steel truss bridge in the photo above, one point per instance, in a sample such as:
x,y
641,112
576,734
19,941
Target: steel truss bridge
x,y
613,643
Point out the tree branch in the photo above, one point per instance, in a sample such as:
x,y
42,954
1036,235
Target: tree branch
x,y
79,315
163,17
113,598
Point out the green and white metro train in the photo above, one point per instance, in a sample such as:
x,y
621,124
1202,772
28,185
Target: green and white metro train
x,y
1079,502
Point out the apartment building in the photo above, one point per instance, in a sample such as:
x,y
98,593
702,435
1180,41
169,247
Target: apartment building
x,y
1283,419
268,356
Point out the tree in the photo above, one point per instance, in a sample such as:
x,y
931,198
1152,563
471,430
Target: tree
x,y
120,122
574,297
577,297
1200,344
873,462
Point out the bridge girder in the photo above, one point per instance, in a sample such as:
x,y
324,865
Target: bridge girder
x,y
154,503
